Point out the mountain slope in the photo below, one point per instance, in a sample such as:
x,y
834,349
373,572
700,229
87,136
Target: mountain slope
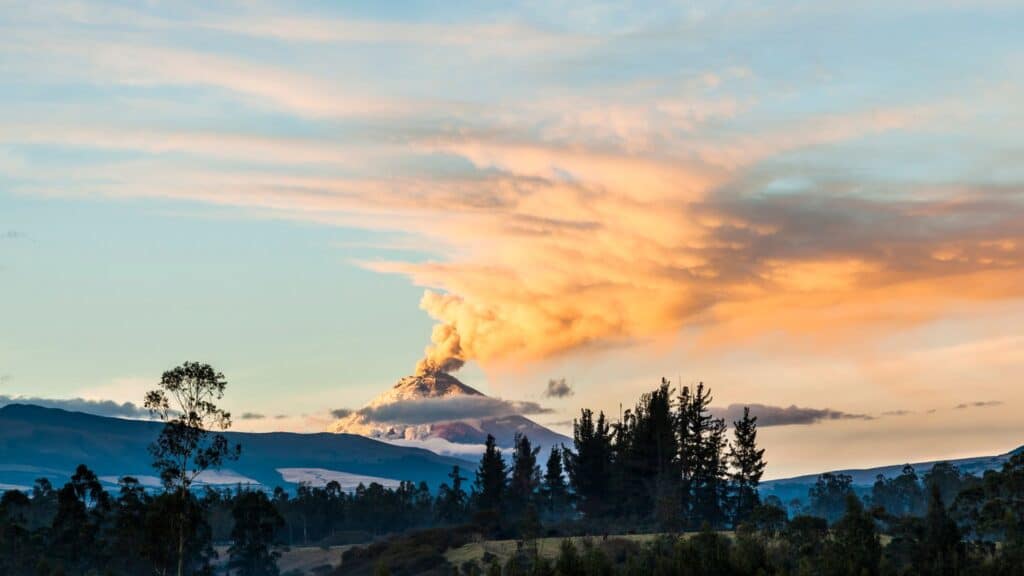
x,y
47,442
468,431
797,486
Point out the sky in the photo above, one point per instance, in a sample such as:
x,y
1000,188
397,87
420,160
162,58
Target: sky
x,y
808,204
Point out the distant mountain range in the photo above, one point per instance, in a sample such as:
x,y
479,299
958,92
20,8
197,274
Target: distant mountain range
x,y
465,432
863,479
47,442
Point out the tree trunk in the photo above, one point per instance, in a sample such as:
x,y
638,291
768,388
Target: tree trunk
x,y
181,535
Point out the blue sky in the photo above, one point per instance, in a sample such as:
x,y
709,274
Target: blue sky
x,y
812,203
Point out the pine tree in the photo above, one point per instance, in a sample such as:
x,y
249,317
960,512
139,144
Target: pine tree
x,y
491,478
747,466
591,464
554,489
525,477
702,444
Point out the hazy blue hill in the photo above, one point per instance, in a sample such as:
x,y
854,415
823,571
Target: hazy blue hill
x,y
36,442
864,478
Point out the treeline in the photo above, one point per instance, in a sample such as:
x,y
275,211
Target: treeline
x,y
667,466
967,527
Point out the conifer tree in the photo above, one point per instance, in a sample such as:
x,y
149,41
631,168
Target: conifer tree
x,y
554,489
525,476
591,464
491,478
747,466
702,458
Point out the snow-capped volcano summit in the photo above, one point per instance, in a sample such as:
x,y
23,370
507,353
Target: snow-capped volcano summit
x,y
434,389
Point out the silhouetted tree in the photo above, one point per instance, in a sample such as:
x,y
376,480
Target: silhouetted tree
x,y
747,466
186,447
553,489
855,549
524,479
491,480
705,444
451,500
590,465
252,550
828,495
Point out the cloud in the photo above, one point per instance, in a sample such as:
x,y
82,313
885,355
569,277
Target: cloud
x,y
98,407
558,388
340,412
280,416
981,404
11,235
432,410
897,413
574,215
252,416
785,415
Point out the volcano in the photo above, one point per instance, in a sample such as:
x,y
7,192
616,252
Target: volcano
x,y
460,432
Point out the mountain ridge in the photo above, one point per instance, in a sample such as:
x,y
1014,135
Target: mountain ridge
x,y
40,442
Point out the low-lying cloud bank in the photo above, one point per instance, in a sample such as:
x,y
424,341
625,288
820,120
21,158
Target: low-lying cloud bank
x,y
785,415
97,407
432,410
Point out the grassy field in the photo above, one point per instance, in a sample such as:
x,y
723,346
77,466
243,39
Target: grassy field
x,y
300,559
504,549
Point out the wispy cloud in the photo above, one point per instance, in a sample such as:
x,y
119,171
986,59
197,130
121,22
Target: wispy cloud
x,y
341,413
979,404
785,415
252,416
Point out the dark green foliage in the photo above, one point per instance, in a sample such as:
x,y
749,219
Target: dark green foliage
x,y
491,478
702,444
451,500
554,491
418,553
828,496
590,466
902,495
252,551
748,467
185,447
524,480
854,549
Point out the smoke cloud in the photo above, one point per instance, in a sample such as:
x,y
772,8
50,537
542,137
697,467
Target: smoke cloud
x,y
444,353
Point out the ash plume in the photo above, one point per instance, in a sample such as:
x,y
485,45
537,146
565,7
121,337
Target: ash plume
x,y
444,353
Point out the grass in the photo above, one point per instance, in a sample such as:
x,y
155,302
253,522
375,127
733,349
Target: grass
x,y
300,559
546,547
